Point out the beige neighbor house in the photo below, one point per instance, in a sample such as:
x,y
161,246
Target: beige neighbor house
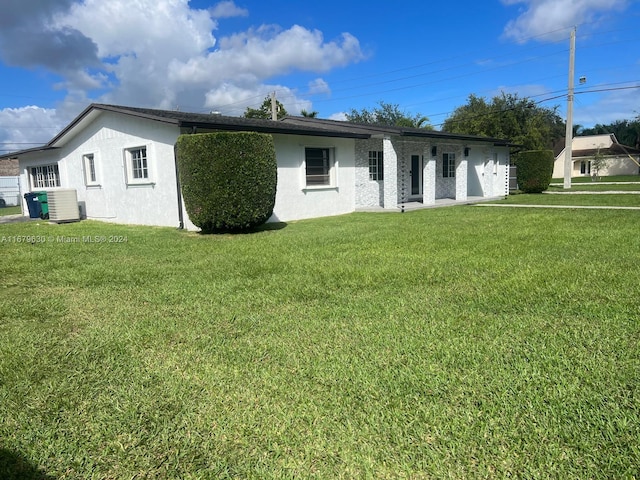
x,y
620,159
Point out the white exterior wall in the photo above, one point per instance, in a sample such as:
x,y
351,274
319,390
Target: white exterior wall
x,y
294,201
114,199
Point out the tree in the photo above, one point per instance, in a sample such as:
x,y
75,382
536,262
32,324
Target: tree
x,y
313,114
598,163
388,114
264,111
520,120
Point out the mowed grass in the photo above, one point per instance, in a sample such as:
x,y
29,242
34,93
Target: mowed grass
x,y
460,342
589,180
14,210
597,187
575,199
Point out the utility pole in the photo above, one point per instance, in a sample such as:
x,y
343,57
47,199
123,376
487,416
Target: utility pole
x,y
568,154
274,107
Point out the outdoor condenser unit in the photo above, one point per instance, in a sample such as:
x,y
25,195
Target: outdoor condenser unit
x,y
63,205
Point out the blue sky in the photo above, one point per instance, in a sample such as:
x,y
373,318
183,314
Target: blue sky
x,y
57,56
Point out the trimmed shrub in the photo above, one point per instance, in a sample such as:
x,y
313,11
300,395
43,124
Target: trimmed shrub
x,y
535,169
228,179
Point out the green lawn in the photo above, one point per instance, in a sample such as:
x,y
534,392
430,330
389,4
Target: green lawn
x,y
598,187
579,199
10,210
613,178
459,342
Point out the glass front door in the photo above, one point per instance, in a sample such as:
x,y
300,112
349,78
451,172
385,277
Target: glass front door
x,y
416,175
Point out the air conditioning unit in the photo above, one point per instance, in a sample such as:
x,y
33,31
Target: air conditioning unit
x,y
63,205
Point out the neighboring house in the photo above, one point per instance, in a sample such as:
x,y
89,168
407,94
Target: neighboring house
x,y
620,159
121,162
9,186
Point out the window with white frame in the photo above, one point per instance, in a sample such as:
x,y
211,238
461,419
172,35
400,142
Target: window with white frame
x,y
319,166
89,164
376,165
137,165
45,176
448,165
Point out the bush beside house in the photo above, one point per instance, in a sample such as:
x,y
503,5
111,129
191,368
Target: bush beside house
x,y
228,179
535,168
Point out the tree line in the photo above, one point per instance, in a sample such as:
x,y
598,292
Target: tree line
x,y
521,120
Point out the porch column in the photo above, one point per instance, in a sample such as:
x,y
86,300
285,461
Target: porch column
x,y
429,178
461,176
390,161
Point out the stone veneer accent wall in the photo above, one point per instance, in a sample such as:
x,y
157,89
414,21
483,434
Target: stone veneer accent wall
x,y
369,193
9,167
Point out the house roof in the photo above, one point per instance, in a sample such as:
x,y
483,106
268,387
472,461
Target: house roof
x,y
288,125
590,145
373,130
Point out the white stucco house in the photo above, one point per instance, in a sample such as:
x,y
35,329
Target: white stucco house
x,y
620,159
121,162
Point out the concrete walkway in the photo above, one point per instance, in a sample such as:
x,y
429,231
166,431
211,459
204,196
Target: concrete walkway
x,y
576,184
584,192
18,218
585,207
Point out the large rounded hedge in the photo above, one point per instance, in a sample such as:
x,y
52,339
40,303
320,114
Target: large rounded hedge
x,y
228,179
534,170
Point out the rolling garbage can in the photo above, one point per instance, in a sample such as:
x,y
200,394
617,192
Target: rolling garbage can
x,y
44,205
33,204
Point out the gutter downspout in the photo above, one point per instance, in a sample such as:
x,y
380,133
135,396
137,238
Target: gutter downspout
x,y
179,190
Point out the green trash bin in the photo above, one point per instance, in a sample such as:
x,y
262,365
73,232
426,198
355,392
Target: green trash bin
x,y
44,204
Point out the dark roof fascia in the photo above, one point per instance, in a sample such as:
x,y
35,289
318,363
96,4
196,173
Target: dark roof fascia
x,y
392,130
221,122
18,153
271,129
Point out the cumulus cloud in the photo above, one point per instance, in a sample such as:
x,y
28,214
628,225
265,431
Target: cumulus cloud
x,y
164,54
319,86
227,9
550,19
27,127
28,37
611,107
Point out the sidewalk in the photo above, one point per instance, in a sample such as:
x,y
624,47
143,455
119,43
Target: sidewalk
x,y
18,218
585,207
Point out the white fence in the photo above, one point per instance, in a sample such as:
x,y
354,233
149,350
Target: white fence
x,y
9,191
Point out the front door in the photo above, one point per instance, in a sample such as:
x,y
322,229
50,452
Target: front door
x,y
416,175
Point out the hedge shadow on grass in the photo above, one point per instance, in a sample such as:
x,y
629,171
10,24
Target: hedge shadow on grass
x,y
265,227
14,466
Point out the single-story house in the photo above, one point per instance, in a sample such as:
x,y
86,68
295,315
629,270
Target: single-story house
x,y
620,159
121,162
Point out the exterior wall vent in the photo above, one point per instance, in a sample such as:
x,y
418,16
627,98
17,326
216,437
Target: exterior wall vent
x,y
63,205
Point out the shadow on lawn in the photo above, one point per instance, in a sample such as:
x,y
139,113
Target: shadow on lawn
x,y
265,227
14,466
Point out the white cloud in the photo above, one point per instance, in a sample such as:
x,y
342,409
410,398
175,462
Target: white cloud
x,y
26,127
342,116
550,19
608,108
163,54
319,86
227,9
160,53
